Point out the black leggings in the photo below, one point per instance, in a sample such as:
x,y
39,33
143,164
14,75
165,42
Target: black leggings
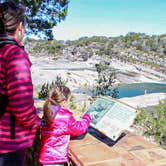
x,y
13,158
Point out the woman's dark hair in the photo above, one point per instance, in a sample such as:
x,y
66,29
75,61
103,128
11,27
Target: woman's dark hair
x,y
11,14
56,95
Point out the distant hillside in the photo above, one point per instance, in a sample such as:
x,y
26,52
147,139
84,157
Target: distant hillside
x,y
133,48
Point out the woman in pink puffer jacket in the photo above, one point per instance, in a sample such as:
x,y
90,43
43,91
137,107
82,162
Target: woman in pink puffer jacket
x,y
59,125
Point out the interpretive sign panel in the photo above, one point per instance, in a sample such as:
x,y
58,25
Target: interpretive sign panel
x,y
111,117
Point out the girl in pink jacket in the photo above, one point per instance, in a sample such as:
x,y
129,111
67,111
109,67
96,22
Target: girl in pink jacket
x,y
59,125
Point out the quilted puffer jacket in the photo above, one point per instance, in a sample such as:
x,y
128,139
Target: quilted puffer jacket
x,y
55,138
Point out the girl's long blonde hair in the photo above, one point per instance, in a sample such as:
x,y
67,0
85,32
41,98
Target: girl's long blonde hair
x,y
56,95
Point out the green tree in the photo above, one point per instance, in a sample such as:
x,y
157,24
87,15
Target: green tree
x,y
43,15
105,80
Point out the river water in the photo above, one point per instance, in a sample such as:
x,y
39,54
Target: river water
x,y
134,89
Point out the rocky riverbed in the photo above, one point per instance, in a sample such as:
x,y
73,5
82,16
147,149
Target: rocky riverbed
x,y
80,73
83,75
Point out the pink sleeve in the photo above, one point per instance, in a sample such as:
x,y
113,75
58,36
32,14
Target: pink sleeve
x,y
78,127
20,88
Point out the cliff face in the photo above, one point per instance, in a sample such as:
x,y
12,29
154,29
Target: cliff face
x,y
134,48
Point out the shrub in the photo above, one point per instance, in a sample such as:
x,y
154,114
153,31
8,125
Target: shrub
x,y
154,123
72,104
46,86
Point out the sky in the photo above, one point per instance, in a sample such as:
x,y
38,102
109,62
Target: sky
x,y
112,18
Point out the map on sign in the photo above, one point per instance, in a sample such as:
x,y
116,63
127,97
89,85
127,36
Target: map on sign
x,y
111,117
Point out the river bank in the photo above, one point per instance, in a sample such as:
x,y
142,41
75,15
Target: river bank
x,y
83,75
146,100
